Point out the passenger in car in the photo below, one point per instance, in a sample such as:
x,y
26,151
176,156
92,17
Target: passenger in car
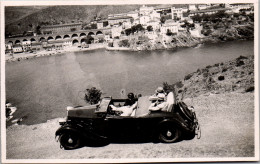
x,y
126,110
159,104
129,106
158,91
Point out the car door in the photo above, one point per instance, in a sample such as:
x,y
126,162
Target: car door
x,y
120,127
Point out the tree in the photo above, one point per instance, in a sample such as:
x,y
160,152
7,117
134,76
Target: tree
x,y
149,28
93,95
128,31
93,26
89,39
38,30
124,43
163,19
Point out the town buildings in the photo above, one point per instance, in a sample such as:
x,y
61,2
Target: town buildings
x,y
150,17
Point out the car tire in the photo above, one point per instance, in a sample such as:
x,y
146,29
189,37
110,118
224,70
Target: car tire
x,y
169,133
70,140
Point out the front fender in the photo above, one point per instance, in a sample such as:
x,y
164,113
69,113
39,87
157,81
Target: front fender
x,y
86,132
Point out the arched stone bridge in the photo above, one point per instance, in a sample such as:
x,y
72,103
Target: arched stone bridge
x,y
77,36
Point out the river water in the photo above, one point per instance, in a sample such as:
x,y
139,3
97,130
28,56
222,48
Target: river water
x,y
41,88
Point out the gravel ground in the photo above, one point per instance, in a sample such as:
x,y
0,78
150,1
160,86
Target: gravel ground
x,y
227,122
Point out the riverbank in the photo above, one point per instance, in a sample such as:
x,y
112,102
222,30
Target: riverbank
x,y
180,41
27,55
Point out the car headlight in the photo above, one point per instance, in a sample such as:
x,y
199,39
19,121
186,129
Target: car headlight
x,y
62,121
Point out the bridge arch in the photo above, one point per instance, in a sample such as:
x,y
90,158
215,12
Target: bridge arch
x,y
75,41
99,33
84,40
42,39
32,40
58,37
66,37
91,33
74,36
82,35
17,42
11,42
50,38
25,40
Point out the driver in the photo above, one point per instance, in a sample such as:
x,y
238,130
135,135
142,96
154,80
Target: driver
x,y
129,106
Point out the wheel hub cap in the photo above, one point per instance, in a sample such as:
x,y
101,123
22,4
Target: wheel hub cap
x,y
70,140
169,134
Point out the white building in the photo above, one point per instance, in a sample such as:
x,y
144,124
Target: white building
x,y
144,19
202,7
177,13
100,25
133,14
116,31
17,48
136,21
192,7
235,7
155,24
145,10
169,25
155,14
126,25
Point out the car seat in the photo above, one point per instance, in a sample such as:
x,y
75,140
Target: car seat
x,y
170,102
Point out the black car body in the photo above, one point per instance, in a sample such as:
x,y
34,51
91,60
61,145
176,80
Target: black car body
x,y
98,122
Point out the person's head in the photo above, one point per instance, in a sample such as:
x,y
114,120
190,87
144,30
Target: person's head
x,y
159,90
161,97
131,96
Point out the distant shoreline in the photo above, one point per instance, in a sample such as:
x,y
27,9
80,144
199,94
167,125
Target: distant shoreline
x,y
27,56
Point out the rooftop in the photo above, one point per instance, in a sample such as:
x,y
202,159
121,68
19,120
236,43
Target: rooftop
x,y
63,25
209,10
124,17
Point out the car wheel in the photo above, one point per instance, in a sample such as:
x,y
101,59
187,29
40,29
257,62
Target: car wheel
x,y
169,134
70,140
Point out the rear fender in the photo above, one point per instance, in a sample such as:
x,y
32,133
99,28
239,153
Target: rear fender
x,y
175,122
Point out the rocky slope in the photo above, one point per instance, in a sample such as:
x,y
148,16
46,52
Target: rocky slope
x,y
236,75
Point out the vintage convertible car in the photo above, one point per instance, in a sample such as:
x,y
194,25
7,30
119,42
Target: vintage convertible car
x,y
98,123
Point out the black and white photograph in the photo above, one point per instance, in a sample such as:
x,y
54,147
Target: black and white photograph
x,y
114,81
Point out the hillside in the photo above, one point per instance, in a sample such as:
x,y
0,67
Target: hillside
x,y
233,76
14,13
58,14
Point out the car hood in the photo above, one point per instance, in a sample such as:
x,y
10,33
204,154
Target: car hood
x,y
83,112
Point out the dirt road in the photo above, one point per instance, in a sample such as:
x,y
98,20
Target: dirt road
x,y
227,122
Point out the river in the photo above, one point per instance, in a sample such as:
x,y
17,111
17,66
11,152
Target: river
x,y
41,88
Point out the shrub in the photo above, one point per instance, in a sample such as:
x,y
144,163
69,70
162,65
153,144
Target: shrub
x,y
242,57
93,95
224,70
250,89
187,77
209,66
220,78
178,84
239,63
206,74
